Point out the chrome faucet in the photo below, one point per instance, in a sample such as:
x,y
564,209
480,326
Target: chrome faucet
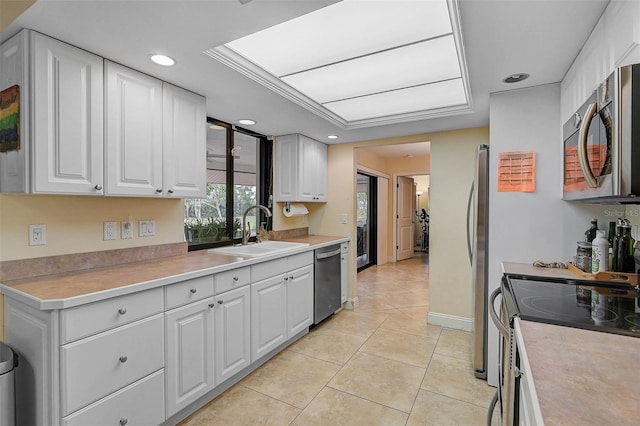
x,y
245,234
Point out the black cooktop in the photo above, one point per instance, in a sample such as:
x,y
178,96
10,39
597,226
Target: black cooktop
x,y
582,304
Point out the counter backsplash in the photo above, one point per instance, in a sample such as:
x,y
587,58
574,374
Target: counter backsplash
x,y
35,267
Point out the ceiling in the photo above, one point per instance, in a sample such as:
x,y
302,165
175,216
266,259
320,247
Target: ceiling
x,y
500,38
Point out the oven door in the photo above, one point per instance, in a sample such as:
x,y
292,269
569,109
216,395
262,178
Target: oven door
x,y
588,147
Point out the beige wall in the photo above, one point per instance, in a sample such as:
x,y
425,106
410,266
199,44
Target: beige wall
x,y
11,9
75,223
452,172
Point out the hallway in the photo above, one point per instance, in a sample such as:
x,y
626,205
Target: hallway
x,y
378,365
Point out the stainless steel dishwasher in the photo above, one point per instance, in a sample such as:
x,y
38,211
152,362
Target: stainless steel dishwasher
x,y
326,290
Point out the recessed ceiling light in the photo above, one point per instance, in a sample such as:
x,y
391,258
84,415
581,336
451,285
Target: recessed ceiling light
x,y
246,122
332,137
163,60
515,78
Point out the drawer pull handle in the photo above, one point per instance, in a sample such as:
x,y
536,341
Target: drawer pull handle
x,y
286,278
170,191
123,359
220,302
212,305
122,311
194,290
235,278
159,190
123,422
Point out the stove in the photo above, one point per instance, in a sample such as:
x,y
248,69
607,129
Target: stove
x,y
592,305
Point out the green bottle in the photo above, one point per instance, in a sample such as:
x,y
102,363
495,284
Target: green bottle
x,y
624,259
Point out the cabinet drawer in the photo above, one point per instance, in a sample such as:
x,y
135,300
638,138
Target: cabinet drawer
x,y
299,260
141,403
188,291
94,367
271,268
235,278
93,318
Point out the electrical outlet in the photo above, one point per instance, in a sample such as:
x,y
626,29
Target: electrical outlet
x,y
37,235
109,231
126,229
343,219
146,228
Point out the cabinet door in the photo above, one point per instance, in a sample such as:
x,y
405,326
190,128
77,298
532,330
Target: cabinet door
x,y
189,365
268,316
67,117
307,173
312,174
321,172
185,143
133,132
233,332
299,300
14,71
286,169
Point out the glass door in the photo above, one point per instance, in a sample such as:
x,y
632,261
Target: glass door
x,y
366,221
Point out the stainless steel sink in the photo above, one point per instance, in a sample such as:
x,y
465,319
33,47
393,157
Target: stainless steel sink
x,y
259,249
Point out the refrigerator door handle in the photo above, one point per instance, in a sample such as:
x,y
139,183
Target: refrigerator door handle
x,y
469,204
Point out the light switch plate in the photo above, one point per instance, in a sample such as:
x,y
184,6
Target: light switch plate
x,y
146,228
37,235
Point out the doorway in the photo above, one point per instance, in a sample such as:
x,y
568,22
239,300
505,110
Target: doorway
x,y
367,220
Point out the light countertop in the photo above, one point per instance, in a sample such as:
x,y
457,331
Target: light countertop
x,y
528,269
76,288
583,377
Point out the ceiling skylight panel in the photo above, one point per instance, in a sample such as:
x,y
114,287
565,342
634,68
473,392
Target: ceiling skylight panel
x,y
341,31
416,64
440,95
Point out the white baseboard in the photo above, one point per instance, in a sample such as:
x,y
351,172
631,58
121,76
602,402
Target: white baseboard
x,y
450,321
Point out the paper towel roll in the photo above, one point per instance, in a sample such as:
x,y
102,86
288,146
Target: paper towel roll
x,y
295,210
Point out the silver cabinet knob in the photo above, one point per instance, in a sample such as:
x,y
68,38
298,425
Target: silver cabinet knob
x,y
170,191
212,305
235,279
286,278
122,311
291,277
159,190
123,359
193,290
123,422
98,187
220,302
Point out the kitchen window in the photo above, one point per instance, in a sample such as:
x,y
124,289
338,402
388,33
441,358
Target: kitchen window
x,y
239,170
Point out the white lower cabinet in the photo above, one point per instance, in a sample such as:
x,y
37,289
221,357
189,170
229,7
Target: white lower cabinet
x,y
96,366
189,346
268,315
232,332
142,358
281,306
141,403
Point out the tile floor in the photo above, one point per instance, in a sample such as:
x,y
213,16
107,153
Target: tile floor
x,y
381,364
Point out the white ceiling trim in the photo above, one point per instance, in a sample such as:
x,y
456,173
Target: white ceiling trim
x,y
251,70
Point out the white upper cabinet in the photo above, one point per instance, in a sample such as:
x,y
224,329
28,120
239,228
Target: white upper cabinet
x,y
184,143
133,132
14,71
156,137
152,144
61,124
301,169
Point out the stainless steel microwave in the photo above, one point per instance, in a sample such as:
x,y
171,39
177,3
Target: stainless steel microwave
x,y
602,143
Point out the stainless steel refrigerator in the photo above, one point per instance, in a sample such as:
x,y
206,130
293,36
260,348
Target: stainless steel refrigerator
x,y
478,239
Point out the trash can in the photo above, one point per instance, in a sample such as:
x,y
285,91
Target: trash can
x,y
8,362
